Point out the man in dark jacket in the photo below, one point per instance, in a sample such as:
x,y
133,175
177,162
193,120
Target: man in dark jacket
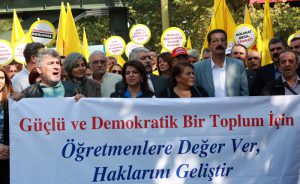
x,y
289,84
49,68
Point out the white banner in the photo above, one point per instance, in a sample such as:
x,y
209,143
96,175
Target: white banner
x,y
248,140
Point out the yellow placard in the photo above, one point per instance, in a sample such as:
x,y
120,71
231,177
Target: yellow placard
x,y
246,35
130,46
173,37
289,39
140,34
42,31
297,34
18,53
6,52
115,46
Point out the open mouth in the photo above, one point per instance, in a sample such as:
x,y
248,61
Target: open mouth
x,y
56,73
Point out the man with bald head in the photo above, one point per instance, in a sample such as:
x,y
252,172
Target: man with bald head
x,y
253,60
240,52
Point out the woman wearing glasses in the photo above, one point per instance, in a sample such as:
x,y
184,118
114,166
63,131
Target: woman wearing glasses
x,y
135,81
183,83
116,68
75,66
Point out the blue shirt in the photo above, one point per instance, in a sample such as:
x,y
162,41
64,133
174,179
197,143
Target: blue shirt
x,y
128,94
55,91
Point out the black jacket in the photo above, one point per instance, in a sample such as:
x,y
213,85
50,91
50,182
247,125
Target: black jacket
x,y
196,91
35,90
274,87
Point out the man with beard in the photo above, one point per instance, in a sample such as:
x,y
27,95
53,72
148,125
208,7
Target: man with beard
x,y
98,63
271,71
156,83
49,67
240,52
289,82
219,75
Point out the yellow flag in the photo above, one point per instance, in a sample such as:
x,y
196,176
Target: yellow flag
x,y
267,35
72,42
189,43
258,40
247,18
28,38
60,41
222,19
17,33
85,46
120,60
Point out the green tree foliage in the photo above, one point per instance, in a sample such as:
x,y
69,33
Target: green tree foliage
x,y
5,25
192,16
286,19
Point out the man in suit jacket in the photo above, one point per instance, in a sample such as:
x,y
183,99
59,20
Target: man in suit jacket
x,y
240,52
219,75
156,83
271,71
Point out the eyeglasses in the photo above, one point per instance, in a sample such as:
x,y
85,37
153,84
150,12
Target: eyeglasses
x,y
254,58
97,62
116,71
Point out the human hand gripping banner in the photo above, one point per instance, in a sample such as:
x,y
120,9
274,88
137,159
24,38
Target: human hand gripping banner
x,y
234,140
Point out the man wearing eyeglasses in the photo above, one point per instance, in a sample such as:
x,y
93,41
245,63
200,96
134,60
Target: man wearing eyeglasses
x,y
219,75
253,60
98,64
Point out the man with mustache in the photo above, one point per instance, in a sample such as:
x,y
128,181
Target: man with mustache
x,y
240,52
253,60
289,82
271,71
219,75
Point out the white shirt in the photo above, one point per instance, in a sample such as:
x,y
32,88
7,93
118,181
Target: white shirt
x,y
21,80
109,83
150,84
219,75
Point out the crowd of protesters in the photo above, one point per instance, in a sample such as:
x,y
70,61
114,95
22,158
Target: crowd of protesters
x,y
178,74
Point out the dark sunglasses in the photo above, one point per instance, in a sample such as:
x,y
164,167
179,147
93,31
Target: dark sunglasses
x,y
250,58
116,71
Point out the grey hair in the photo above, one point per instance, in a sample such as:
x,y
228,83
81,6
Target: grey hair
x,y
97,52
135,51
46,52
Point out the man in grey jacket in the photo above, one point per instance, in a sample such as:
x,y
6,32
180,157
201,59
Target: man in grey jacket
x,y
219,75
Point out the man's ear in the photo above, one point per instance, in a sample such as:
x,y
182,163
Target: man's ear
x,y
38,69
33,58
